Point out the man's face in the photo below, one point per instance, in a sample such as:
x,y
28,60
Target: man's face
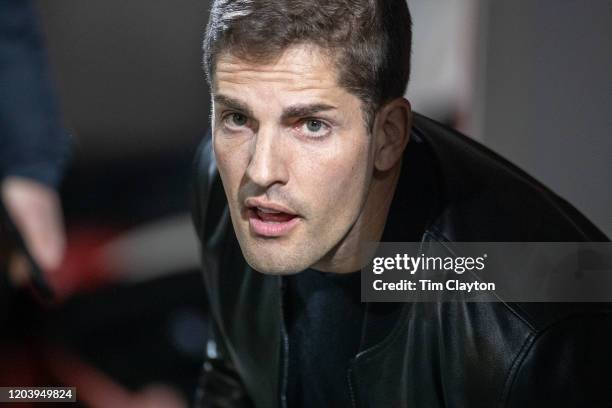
x,y
294,155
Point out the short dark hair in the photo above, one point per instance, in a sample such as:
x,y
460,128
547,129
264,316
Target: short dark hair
x,y
369,40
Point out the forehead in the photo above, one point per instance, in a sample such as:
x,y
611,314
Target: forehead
x,y
298,68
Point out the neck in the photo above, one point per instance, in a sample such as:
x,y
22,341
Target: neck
x,y
347,256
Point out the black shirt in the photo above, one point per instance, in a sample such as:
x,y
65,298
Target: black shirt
x,y
324,318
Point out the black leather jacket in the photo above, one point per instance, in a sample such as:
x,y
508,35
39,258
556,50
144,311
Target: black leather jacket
x,y
444,354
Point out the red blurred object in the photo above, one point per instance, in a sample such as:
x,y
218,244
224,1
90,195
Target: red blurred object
x,y
83,268
97,390
23,367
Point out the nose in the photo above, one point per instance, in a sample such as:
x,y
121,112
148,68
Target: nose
x,y
268,158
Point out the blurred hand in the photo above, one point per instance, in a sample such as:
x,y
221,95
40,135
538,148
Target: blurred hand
x,y
36,211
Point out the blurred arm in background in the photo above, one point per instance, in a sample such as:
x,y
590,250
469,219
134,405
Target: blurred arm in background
x,y
33,146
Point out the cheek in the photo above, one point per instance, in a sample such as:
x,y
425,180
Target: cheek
x,y
339,183
231,156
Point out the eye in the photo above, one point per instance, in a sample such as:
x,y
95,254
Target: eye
x,y
314,128
313,125
236,119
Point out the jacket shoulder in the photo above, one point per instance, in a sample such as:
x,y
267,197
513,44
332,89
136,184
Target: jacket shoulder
x,y
487,198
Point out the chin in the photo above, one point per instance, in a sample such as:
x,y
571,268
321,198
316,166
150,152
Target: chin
x,y
275,264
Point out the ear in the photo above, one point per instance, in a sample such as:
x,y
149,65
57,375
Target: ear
x,y
391,133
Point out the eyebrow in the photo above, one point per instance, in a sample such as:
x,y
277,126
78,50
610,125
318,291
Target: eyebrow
x,y
298,111
289,113
233,104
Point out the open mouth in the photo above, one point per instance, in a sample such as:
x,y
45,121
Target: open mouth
x,y
271,223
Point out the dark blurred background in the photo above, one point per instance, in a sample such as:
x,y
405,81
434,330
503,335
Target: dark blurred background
x,y
529,79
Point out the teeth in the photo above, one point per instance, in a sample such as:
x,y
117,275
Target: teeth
x,y
267,210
